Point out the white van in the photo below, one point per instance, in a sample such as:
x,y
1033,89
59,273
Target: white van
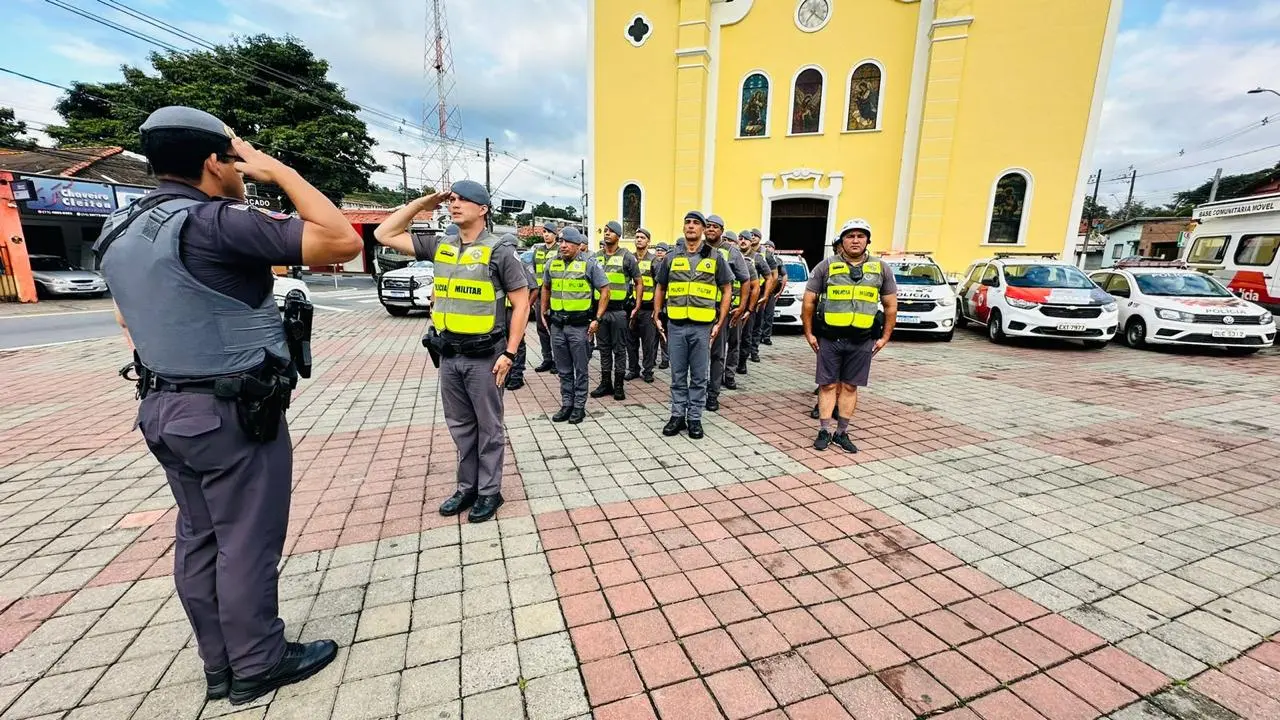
x,y
926,301
1236,241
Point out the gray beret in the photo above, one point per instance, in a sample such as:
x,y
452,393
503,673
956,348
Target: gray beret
x,y
615,226
695,215
715,220
178,117
550,227
730,235
570,235
769,243
745,234
510,238
451,230
664,247
645,232
471,190
756,232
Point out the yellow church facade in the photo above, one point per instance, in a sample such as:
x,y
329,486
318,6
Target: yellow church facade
x,y
957,127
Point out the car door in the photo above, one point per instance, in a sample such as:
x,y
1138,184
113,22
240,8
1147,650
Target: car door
x,y
1119,287
1256,258
967,288
983,294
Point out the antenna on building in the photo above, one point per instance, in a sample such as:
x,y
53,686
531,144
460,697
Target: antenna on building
x,y
439,116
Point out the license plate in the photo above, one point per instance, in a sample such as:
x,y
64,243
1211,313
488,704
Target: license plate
x,y
1071,327
1228,333
396,293
908,319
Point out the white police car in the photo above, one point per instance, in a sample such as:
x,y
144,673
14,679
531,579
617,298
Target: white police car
x,y
791,300
1164,302
1036,295
282,285
411,287
926,301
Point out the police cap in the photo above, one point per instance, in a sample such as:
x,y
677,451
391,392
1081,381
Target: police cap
x,y
730,235
179,117
570,235
471,190
715,220
550,227
615,226
644,232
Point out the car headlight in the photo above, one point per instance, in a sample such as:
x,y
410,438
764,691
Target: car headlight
x,y
1265,319
1020,303
946,301
1175,315
1109,307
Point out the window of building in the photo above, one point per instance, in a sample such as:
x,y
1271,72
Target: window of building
x,y
1117,252
632,209
638,30
806,102
753,119
1257,249
864,98
1008,210
1208,249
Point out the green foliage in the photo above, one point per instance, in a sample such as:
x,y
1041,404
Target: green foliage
x,y
12,130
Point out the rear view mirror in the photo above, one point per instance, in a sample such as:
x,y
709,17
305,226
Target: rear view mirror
x,y
991,282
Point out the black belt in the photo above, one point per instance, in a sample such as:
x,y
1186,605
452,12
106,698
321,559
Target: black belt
x,y
204,387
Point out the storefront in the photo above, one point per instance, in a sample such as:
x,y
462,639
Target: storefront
x,y
67,215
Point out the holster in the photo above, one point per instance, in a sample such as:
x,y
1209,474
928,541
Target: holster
x,y
297,329
260,403
437,347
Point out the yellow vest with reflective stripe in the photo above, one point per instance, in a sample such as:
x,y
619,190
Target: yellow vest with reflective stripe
x,y
646,277
849,302
467,301
570,290
615,270
692,293
737,284
541,254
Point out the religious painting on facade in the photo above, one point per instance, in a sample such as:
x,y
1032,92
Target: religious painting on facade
x,y
631,199
1007,208
806,106
755,106
864,98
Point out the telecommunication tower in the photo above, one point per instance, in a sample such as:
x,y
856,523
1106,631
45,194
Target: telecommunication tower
x,y
441,120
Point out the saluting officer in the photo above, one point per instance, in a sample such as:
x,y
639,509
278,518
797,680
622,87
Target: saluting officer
x,y
688,285
623,271
642,345
189,267
515,379
720,343
568,284
475,273
542,254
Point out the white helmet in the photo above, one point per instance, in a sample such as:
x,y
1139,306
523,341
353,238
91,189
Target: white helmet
x,y
854,224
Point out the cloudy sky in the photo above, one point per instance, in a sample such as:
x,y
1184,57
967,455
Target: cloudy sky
x,y
1176,106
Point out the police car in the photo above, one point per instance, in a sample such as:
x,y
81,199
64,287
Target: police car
x,y
791,300
1035,295
926,301
1164,302
282,285
411,287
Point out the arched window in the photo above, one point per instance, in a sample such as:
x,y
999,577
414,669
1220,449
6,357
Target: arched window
x,y
1009,200
753,119
632,209
806,102
864,98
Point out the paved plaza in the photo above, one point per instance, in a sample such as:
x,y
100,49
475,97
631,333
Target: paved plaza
x,y
1030,531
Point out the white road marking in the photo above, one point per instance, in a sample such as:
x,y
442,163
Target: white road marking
x,y
326,307
54,314
52,344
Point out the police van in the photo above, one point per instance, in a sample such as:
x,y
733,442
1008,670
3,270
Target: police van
x,y
926,301
1236,242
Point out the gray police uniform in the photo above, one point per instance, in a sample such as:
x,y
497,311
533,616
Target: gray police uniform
x,y
572,289
516,376
542,254
471,398
733,356
689,337
747,344
766,322
642,343
622,270
765,315
192,278
720,346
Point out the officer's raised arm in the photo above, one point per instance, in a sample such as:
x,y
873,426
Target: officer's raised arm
x,y
327,236
394,231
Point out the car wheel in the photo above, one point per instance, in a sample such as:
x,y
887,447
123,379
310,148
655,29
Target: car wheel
x,y
1135,336
396,311
1095,344
995,329
961,321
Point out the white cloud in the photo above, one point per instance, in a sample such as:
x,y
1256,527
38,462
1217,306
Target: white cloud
x,y
82,51
1180,83
32,103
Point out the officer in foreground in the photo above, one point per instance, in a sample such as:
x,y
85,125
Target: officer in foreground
x,y
848,329
475,274
568,285
694,286
189,267
623,271
642,345
730,253
542,254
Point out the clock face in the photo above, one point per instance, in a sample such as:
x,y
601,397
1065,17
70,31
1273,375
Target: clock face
x,y
812,14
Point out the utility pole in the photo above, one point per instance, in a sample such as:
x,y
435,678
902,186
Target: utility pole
x,y
1128,204
582,177
1088,226
1213,191
486,165
404,173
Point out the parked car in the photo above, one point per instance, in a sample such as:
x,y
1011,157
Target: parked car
x,y
410,288
1163,302
1237,242
791,301
1036,295
386,259
55,276
283,285
926,301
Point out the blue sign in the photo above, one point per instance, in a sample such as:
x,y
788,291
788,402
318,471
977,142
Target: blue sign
x,y
75,198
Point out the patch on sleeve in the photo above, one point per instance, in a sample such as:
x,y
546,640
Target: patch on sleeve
x,y
274,215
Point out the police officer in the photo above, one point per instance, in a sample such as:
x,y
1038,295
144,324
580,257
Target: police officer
x,y
738,316
475,273
761,308
568,284
623,271
688,285
849,330
720,343
642,345
660,252
542,254
515,379
189,267
766,327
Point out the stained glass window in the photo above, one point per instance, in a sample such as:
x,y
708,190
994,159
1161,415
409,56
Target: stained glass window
x,y
806,106
631,200
1007,208
755,107
864,98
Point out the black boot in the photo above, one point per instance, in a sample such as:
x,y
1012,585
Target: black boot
x,y
729,384
577,416
298,663
712,404
632,374
219,684
664,365
755,357
742,368
563,415
545,366
674,426
485,508
695,430
647,377
604,388
619,388
456,503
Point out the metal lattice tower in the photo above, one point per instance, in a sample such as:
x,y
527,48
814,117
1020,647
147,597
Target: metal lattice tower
x,y
441,120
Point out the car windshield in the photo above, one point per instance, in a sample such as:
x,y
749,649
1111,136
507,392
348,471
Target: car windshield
x,y
50,264
1180,285
796,272
1047,276
919,274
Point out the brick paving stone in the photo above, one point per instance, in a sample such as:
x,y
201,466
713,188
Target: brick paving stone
x,y
788,678
611,679
712,651
556,697
874,650
662,665
636,708
689,700
598,640
959,675
1236,696
740,693
1004,705
868,697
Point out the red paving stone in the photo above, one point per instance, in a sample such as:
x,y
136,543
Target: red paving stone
x,y
662,665
740,693
789,678
688,700
611,679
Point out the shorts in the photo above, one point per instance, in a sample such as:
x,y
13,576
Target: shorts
x,y
844,361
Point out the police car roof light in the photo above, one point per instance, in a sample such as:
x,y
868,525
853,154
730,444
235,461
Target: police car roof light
x,y
1051,256
1149,262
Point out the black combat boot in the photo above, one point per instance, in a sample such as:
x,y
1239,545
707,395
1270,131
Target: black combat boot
x,y
604,388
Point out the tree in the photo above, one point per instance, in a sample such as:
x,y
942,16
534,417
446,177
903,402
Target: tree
x,y
543,209
11,131
272,92
1230,186
1094,210
390,197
